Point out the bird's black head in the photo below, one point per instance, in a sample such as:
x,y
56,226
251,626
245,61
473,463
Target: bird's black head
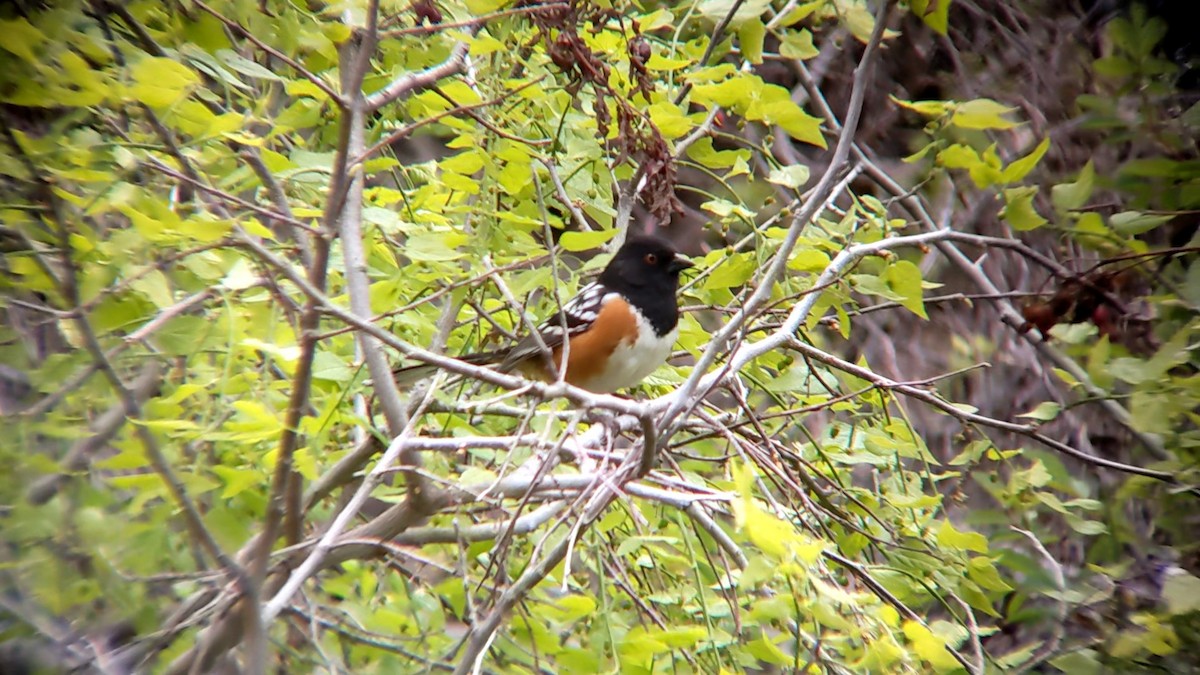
x,y
645,261
647,269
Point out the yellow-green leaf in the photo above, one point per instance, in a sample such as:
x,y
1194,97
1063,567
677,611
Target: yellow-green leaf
x,y
660,62
750,39
982,113
797,123
670,120
571,608
801,12
717,10
808,260
731,272
22,39
935,13
798,45
584,241
1044,412
957,540
1021,168
159,82
926,108
930,647
236,480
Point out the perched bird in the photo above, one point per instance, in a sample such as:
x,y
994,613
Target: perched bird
x,y
618,329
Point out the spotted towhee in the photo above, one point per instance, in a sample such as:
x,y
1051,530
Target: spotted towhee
x,y
615,331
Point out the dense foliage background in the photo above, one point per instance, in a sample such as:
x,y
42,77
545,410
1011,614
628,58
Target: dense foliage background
x,y
934,407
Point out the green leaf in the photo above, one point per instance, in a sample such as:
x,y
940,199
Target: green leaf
x,y
480,7
241,275
959,156
731,272
483,44
984,169
983,572
733,92
750,39
957,540
464,163
808,260
571,608
789,176
1019,211
245,66
903,279
584,241
702,151
1114,66
155,286
1044,412
774,536
860,21
767,652
725,208
759,569
662,63
1182,592
236,480
679,637
1085,526
799,377
1090,228
1082,662
1071,196
976,598
1135,222
440,247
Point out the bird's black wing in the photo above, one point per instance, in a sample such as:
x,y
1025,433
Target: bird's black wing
x,y
577,316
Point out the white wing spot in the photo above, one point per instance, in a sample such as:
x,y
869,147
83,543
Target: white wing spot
x,y
585,306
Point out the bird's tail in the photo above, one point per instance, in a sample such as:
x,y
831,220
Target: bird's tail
x,y
408,375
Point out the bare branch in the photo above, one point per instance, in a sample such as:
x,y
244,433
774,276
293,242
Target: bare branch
x,y
410,81
1027,430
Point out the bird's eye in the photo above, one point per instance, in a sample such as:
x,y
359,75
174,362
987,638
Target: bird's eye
x,y
651,259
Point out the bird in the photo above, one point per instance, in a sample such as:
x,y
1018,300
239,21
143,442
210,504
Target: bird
x,y
615,331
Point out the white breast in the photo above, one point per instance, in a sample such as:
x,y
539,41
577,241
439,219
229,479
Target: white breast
x,y
630,363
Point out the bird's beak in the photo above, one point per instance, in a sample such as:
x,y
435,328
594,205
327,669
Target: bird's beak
x,y
680,263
